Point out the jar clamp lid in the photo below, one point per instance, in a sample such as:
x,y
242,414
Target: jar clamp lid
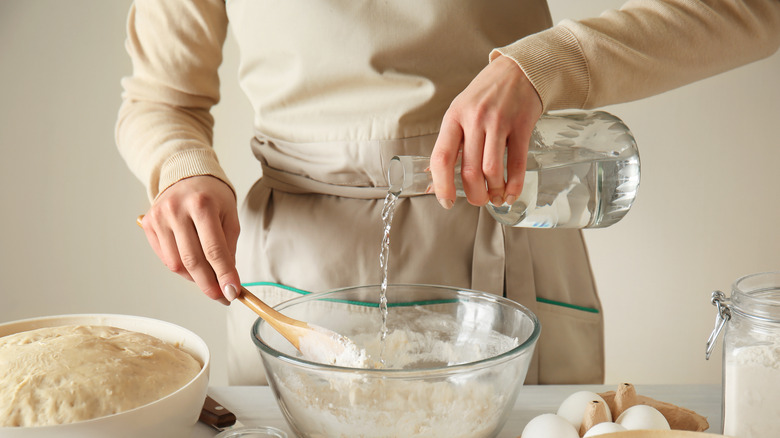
x,y
755,297
718,300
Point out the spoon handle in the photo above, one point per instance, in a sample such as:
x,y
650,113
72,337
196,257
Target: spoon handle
x,y
291,329
265,311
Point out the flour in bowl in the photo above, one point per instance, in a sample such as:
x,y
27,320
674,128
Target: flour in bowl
x,y
324,346
466,403
420,338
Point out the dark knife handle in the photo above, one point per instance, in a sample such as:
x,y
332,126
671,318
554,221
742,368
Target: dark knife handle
x,y
216,415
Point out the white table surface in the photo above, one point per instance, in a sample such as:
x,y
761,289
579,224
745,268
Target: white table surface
x,y
255,405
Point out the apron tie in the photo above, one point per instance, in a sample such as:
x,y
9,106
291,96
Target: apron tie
x,y
350,169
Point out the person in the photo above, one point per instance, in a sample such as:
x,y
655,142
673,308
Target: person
x,y
340,86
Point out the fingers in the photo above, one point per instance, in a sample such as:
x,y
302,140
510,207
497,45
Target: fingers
x,y
493,165
516,160
482,148
443,159
170,252
482,163
221,263
471,167
195,261
491,119
193,230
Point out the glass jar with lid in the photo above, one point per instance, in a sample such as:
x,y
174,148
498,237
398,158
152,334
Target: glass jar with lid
x,y
751,355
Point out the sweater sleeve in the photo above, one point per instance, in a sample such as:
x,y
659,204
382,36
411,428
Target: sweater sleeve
x,y
645,48
164,129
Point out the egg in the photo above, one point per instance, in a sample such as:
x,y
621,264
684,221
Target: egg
x,y
548,426
642,417
603,428
573,408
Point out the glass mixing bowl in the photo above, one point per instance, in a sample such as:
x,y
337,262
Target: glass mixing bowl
x,y
451,364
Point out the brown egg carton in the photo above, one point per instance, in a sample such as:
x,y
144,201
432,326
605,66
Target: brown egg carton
x,y
679,418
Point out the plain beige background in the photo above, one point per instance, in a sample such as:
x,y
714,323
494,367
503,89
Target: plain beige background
x,y
707,212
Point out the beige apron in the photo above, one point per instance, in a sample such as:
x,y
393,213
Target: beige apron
x,y
339,87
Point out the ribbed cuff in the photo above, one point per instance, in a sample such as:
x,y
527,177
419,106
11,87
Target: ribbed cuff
x,y
189,163
553,62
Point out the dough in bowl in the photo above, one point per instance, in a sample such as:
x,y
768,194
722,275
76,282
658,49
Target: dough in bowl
x,y
59,375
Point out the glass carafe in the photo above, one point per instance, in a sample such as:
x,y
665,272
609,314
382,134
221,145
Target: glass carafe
x,y
582,172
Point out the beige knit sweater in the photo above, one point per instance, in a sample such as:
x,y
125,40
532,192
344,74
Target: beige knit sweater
x,y
164,130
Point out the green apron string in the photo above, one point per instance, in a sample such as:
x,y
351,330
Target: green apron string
x,y
417,303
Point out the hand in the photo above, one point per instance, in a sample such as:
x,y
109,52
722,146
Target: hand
x,y
193,228
496,113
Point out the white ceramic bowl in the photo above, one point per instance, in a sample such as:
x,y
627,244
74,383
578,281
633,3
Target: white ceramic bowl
x,y
169,417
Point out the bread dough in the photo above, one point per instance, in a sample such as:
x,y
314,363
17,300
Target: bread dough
x,y
59,375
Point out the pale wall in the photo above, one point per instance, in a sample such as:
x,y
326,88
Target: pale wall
x,y
707,210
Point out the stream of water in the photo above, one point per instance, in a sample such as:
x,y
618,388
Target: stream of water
x,y
388,210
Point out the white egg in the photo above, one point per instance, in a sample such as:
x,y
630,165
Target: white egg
x,y
573,408
642,417
548,426
603,428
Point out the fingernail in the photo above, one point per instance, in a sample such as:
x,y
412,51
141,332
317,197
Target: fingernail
x,y
497,200
510,199
230,292
446,203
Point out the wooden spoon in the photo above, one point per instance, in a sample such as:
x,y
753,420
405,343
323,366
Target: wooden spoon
x,y
316,343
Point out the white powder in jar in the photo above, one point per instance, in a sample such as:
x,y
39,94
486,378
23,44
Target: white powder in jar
x,y
752,391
